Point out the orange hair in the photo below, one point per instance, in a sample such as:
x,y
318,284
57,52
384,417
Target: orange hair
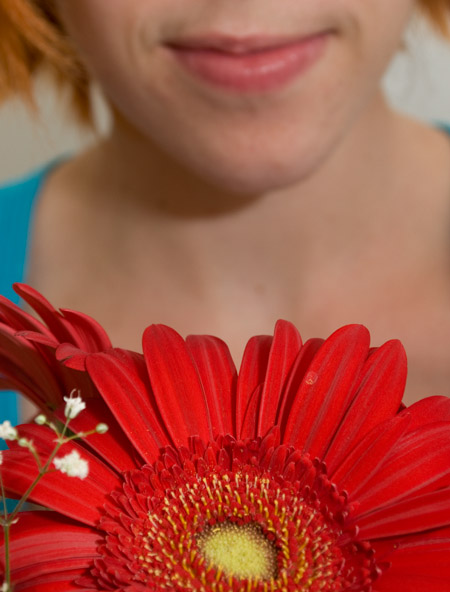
x,y
31,37
438,12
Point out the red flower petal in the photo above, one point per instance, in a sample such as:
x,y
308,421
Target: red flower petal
x,y
40,338
251,374
418,563
327,390
407,577
54,582
415,514
337,400
129,401
429,410
301,364
249,426
25,368
283,352
364,460
19,320
218,375
412,467
176,385
114,447
49,551
378,398
90,335
72,356
57,491
51,317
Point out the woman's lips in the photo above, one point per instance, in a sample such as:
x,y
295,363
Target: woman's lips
x,y
248,66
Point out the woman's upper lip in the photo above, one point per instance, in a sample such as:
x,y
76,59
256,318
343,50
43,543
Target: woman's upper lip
x,y
237,45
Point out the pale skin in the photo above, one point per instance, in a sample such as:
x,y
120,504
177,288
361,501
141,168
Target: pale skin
x,y
217,213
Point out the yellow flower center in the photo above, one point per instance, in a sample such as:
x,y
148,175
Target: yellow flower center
x,y
241,551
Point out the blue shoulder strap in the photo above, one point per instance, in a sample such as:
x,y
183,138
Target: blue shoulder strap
x,y
444,126
17,200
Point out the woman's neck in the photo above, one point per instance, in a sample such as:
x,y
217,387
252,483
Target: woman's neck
x,y
352,200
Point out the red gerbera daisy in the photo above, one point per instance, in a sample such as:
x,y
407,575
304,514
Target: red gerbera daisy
x,y
303,472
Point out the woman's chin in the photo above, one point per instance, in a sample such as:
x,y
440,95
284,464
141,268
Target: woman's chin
x,y
249,178
244,185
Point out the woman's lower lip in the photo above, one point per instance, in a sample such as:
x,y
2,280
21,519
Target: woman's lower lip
x,y
257,71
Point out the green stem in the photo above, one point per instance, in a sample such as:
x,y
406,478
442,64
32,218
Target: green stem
x,y
80,435
26,495
6,527
5,509
36,457
42,471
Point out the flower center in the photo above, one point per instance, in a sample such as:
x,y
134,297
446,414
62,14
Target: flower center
x,y
231,517
240,551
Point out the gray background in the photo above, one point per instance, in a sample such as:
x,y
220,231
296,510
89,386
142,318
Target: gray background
x,y
417,83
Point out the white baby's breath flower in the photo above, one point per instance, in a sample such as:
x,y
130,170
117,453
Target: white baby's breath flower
x,y
101,428
5,587
73,465
74,405
1,457
40,419
7,431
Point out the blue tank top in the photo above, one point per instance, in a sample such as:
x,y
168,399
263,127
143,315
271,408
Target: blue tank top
x,y
17,201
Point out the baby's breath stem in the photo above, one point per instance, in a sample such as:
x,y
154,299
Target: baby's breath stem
x,y
72,466
8,520
36,457
5,509
6,527
80,435
42,471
